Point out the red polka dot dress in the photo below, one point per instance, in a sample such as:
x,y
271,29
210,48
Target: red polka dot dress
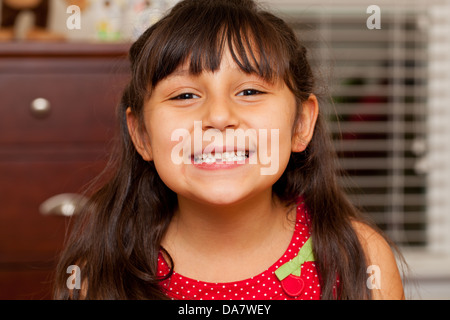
x,y
268,285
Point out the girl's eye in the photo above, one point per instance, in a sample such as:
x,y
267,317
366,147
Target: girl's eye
x,y
249,92
185,96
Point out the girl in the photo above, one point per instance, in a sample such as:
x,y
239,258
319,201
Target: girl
x,y
217,226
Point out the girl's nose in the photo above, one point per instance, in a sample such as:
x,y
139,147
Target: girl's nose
x,y
220,114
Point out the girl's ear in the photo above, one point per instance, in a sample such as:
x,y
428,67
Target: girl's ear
x,y
305,127
140,142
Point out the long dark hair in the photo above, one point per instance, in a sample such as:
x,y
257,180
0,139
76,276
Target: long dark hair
x,y
116,239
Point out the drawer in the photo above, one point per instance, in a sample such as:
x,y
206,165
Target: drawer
x,y
26,235
81,107
26,282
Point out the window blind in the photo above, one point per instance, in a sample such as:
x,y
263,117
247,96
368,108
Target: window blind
x,y
437,160
377,107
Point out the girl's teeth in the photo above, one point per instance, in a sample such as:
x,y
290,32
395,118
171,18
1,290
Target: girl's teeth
x,y
221,157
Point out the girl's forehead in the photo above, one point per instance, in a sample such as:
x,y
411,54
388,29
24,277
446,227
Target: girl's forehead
x,y
227,61
232,69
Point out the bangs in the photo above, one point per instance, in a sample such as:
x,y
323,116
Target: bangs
x,y
198,35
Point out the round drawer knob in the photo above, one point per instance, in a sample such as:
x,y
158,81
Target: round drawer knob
x,y
66,204
40,107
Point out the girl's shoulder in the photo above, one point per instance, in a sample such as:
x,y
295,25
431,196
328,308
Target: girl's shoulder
x,y
383,273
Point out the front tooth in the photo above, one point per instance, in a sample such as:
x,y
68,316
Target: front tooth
x,y
228,156
218,156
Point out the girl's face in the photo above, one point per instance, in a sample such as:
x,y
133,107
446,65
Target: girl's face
x,y
221,137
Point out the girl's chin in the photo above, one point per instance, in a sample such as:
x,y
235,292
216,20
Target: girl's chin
x,y
222,199
218,196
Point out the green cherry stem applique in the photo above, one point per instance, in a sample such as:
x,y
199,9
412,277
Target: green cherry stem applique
x,y
289,273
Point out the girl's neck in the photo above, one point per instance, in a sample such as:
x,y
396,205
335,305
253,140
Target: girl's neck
x,y
252,230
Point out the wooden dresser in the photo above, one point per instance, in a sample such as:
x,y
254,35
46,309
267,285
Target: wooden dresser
x,y
58,104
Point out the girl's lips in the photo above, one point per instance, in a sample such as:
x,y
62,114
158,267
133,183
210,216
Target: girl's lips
x,y
220,166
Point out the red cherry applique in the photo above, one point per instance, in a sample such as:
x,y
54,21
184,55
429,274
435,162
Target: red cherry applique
x,y
290,272
293,285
